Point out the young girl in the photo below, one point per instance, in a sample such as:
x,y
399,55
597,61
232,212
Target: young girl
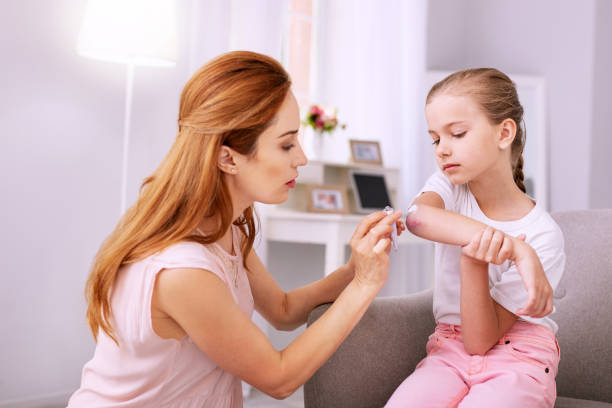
x,y
172,290
494,344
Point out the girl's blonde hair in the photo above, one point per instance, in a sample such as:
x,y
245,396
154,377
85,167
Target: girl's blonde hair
x,y
230,101
496,94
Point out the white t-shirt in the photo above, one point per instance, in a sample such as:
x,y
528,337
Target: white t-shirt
x,y
505,283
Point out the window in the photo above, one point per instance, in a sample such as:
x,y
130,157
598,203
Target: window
x,y
298,48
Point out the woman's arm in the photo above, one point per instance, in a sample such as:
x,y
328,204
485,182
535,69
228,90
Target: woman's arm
x,y
200,303
428,219
288,310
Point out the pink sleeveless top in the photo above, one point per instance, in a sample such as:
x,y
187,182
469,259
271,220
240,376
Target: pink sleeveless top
x,y
146,370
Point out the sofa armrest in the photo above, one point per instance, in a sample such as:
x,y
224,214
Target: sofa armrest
x,y
376,357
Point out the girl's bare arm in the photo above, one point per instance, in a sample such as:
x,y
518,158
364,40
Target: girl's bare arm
x,y
428,219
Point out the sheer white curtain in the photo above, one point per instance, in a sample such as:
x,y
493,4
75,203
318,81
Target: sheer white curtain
x,y
219,26
371,62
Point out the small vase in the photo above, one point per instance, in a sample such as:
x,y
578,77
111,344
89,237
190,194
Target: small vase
x,y
318,145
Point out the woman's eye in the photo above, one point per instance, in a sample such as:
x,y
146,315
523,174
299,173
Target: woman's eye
x,y
288,147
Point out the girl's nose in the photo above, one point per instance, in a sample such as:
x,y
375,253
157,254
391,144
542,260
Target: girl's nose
x,y
442,149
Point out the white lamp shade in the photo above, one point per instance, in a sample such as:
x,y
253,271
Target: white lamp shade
x,y
139,32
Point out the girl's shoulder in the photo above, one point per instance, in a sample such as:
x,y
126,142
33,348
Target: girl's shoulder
x,y
453,195
546,230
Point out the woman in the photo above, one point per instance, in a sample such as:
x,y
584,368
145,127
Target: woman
x,y
173,288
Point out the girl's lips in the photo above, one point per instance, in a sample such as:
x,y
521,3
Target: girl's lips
x,y
450,166
291,184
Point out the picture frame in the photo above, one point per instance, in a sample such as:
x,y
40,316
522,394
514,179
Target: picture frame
x,y
327,198
366,151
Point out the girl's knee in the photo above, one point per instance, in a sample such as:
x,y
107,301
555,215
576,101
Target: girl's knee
x,y
428,388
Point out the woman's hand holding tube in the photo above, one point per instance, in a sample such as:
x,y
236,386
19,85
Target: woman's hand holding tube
x,y
370,245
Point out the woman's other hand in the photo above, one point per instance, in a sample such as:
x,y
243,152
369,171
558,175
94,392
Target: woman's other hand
x,y
400,226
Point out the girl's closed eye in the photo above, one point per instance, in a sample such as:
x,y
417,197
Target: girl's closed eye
x,y
459,134
435,142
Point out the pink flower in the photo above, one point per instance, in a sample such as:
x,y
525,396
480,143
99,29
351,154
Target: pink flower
x,y
315,110
322,119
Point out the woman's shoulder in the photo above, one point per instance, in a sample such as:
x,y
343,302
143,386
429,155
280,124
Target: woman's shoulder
x,y
186,254
183,248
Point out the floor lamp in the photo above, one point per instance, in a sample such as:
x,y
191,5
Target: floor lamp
x,y
134,33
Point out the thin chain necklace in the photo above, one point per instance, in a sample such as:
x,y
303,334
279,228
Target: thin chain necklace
x,y
231,265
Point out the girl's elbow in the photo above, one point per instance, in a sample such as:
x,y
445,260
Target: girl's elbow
x,y
414,220
476,348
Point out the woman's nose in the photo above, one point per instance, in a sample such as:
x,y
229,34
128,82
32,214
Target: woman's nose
x,y
301,159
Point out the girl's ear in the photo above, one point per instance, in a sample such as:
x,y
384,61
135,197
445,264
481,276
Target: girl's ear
x,y
228,160
507,132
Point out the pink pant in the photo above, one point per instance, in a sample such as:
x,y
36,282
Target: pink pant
x,y
519,371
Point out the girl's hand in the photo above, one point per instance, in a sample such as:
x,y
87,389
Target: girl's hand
x,y
493,246
370,245
490,246
540,301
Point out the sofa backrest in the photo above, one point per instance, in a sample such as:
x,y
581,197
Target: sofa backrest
x,y
583,302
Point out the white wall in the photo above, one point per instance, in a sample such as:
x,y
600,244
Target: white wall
x,y
601,144
552,38
61,117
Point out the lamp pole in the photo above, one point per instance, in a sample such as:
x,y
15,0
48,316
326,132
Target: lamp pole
x,y
131,32
129,87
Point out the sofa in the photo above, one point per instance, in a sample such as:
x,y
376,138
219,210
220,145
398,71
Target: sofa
x,y
389,341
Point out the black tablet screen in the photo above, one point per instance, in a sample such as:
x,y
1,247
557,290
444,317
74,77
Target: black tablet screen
x,y
372,191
